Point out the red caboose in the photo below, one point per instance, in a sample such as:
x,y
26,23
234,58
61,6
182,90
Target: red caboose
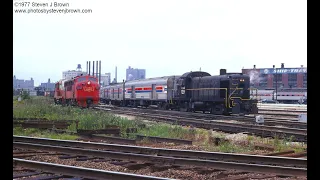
x,y
80,91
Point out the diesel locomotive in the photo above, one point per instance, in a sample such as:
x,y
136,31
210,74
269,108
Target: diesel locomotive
x,y
227,93
80,91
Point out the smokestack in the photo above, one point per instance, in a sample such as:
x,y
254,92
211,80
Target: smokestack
x,y
93,69
273,66
97,69
282,65
223,71
99,72
116,75
254,66
89,67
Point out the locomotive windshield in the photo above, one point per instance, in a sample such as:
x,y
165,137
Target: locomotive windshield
x,y
92,79
81,79
241,85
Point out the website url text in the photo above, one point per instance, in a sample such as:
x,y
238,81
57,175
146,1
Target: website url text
x,y
50,11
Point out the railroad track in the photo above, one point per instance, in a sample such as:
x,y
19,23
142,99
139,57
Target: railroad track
x,y
260,130
282,114
272,121
58,171
220,161
284,110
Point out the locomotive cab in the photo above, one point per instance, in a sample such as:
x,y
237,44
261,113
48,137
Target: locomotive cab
x,y
184,90
87,91
239,96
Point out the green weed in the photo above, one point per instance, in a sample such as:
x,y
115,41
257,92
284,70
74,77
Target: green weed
x,y
42,133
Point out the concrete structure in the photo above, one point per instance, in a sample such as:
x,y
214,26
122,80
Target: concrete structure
x,y
105,79
271,78
23,84
135,74
48,85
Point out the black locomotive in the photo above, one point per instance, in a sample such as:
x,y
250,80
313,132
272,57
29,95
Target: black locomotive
x,y
227,93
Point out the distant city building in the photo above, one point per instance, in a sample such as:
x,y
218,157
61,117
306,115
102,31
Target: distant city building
x,y
73,73
105,79
48,86
135,74
23,84
267,78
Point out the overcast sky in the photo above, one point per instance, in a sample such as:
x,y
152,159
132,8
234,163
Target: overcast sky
x,y
164,37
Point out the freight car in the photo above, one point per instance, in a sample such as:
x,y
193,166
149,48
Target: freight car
x,y
227,93
79,91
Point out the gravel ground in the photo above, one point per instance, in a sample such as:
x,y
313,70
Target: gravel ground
x,y
166,171
126,116
192,147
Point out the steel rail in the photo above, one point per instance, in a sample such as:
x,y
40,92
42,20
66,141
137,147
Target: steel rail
x,y
271,160
80,171
257,168
285,110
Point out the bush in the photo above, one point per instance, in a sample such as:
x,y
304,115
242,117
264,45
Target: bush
x,y
25,95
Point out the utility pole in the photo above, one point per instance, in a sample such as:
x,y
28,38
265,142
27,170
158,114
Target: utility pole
x,y
274,67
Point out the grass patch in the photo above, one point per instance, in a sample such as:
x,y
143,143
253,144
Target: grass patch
x,y
167,131
88,119
18,131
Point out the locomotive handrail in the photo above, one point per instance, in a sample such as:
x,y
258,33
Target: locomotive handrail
x,y
255,90
226,99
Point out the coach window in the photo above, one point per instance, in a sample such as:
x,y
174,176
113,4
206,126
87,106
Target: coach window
x,y
70,85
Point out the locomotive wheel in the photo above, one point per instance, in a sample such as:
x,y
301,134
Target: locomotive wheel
x,y
63,102
183,109
164,107
226,113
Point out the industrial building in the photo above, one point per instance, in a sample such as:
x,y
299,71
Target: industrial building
x,y
23,84
48,86
277,78
105,79
135,74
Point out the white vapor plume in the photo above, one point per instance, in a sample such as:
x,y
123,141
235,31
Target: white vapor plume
x,y
254,77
